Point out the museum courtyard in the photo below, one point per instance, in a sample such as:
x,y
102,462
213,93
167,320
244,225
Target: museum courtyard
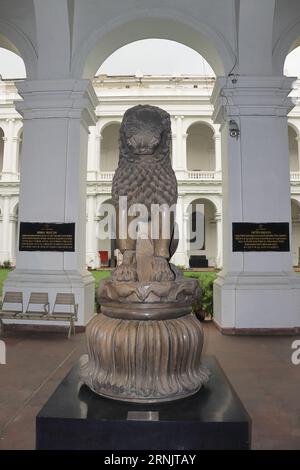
x,y
150,225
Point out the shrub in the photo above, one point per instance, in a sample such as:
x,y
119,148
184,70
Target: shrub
x,y
205,303
6,264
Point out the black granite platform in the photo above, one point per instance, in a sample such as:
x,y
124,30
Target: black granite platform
x,y
76,418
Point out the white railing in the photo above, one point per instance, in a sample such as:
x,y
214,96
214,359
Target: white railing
x,y
106,175
190,175
295,175
202,175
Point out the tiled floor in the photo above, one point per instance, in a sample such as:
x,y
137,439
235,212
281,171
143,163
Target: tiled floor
x,y
259,368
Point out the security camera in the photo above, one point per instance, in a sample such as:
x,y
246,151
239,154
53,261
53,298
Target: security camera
x,y
234,130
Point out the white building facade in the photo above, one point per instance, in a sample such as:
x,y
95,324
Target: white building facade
x,y
196,157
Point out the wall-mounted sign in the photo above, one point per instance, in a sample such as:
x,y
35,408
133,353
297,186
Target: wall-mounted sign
x,y
273,236
47,236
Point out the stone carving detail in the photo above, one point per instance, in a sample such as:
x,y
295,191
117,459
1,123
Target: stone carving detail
x,y
145,345
144,361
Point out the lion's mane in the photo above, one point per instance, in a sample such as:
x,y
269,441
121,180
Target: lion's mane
x,y
145,180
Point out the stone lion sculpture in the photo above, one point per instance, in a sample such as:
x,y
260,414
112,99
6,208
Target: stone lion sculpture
x,y
145,176
145,344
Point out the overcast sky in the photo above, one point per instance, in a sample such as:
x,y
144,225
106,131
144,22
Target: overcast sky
x,y
150,56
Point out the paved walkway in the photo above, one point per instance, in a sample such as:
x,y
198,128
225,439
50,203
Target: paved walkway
x,y
259,368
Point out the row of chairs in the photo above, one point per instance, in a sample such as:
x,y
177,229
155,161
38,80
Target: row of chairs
x,y
12,308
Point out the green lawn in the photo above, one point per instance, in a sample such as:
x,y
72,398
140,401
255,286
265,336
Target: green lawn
x,y
98,275
3,276
202,276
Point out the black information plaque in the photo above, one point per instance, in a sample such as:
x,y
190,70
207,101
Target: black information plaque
x,y
274,236
35,236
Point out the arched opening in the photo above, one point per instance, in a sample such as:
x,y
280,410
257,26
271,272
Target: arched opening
x,y
1,149
146,72
202,234
293,149
291,66
295,207
200,148
18,57
12,66
134,26
109,148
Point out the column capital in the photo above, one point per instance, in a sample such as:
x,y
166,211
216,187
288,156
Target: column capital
x,y
70,98
251,96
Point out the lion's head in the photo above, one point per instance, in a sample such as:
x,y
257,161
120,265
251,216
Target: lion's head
x,y
145,132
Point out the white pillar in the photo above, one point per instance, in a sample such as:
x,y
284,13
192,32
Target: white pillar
x,y
13,223
56,116
180,257
218,155
255,290
5,231
15,158
180,165
93,154
298,146
174,150
92,258
219,240
7,169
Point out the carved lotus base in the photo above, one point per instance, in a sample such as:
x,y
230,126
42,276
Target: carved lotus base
x,y
144,360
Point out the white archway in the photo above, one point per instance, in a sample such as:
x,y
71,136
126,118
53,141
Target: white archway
x,y
152,23
15,40
202,232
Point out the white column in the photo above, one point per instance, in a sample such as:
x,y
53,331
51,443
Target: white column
x,y
180,164
298,146
7,169
218,155
15,158
56,116
93,154
219,240
5,231
92,258
257,290
13,221
180,257
174,150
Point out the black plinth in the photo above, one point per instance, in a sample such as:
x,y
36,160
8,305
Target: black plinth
x,y
76,418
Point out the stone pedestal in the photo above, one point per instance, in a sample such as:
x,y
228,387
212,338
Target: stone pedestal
x,y
146,344
76,418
